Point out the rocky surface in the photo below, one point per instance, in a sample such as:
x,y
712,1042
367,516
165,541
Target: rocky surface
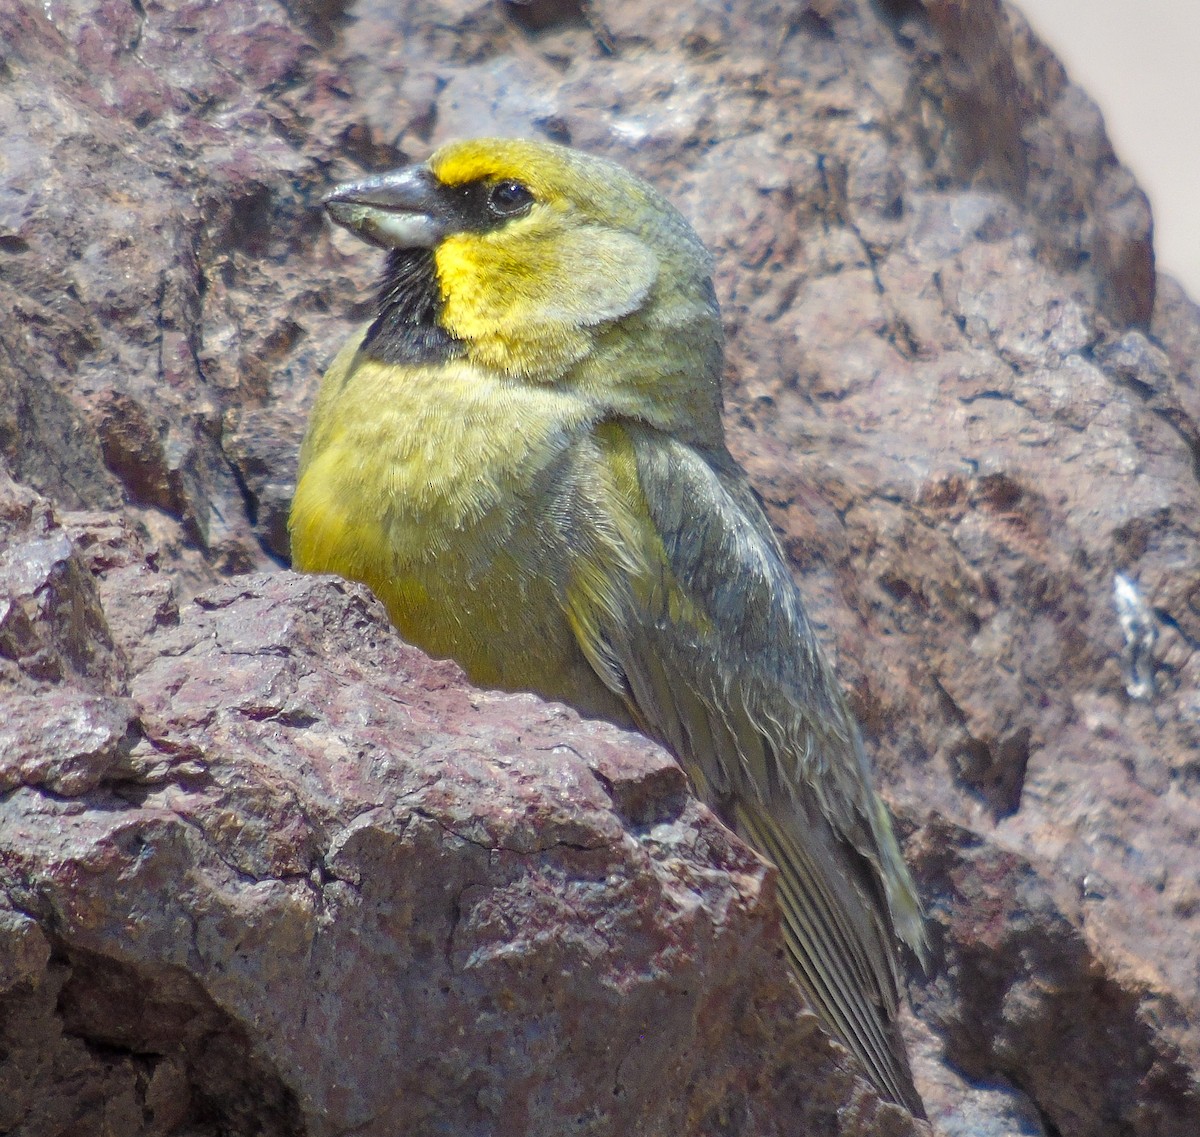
x,y
271,871
263,869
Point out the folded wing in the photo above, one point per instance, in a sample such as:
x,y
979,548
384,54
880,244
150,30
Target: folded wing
x,y
683,604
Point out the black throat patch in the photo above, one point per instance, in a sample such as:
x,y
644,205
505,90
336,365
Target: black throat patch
x,y
407,329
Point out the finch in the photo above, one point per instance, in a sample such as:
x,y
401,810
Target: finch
x,y
522,455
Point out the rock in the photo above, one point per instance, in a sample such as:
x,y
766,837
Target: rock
x,y
263,869
1039,995
324,846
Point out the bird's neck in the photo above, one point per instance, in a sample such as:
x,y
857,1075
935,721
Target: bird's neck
x,y
660,364
407,328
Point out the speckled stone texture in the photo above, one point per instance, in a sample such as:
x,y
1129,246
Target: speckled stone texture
x,y
264,869
298,878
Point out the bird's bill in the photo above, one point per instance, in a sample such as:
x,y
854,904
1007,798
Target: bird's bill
x,y
396,210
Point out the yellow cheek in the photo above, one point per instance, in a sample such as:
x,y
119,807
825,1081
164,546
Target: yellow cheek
x,y
496,299
482,285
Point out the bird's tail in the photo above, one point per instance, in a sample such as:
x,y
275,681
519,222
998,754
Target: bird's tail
x,y
840,950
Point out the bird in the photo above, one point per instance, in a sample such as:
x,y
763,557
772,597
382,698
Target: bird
x,y
522,455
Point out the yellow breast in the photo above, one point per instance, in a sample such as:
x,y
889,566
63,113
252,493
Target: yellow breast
x,y
430,486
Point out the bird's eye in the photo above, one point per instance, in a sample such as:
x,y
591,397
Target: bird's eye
x,y
509,197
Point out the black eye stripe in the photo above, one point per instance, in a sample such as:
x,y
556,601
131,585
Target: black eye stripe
x,y
487,203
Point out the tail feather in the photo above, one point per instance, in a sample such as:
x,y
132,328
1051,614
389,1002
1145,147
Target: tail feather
x,y
855,995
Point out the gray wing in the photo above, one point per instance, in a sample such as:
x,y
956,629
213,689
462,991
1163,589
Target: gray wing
x,y
696,623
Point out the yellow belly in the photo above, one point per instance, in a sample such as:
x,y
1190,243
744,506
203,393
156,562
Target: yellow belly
x,y
431,488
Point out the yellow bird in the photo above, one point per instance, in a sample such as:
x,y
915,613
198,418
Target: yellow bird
x,y
523,457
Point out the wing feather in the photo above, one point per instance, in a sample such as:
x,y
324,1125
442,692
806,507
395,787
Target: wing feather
x,y
697,624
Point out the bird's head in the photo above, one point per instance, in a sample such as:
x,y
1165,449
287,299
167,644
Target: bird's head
x,y
545,264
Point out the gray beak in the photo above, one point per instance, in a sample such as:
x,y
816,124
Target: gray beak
x,y
396,210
